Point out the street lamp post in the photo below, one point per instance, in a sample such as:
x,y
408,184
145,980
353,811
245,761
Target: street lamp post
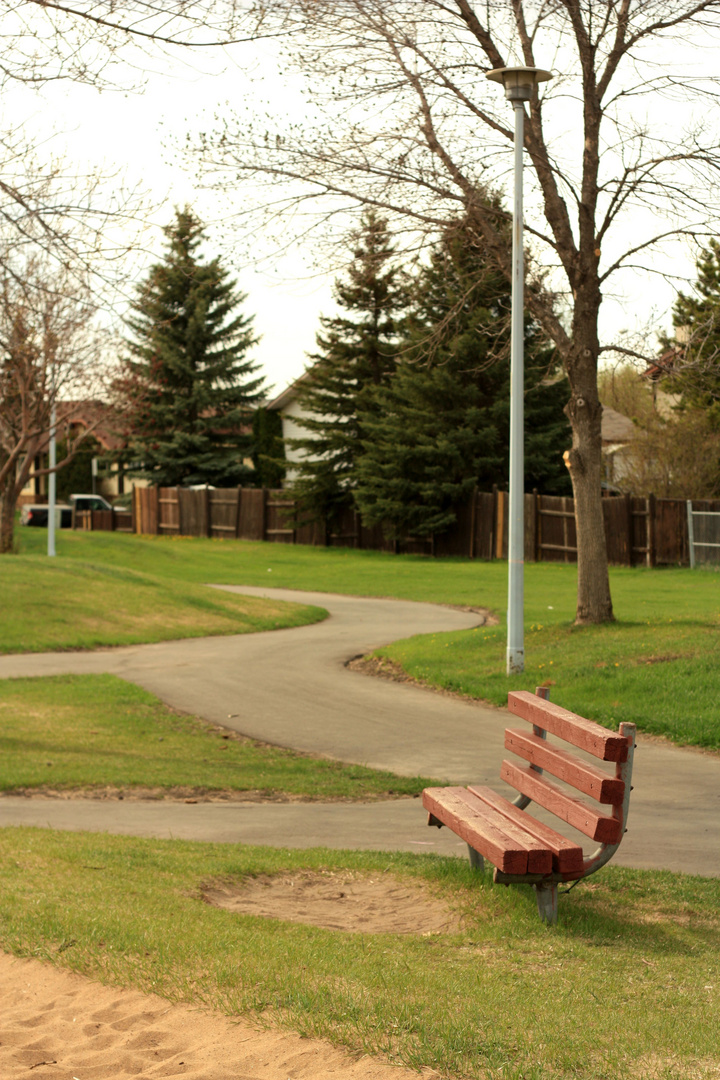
x,y
519,83
52,480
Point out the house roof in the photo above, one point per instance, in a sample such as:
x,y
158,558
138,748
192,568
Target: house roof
x,y
104,421
288,394
616,428
665,364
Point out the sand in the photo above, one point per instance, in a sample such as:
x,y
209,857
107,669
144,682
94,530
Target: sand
x,y
55,1025
338,900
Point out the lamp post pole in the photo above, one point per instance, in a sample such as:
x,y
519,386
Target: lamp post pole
x,y
52,479
519,84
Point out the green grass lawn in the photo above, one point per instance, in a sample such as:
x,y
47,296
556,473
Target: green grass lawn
x,y
86,603
627,985
656,666
94,732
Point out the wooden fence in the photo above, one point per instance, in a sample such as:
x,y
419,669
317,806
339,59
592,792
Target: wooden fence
x,y
104,520
638,531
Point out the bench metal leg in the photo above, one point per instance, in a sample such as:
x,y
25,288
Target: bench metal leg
x,y
476,860
547,901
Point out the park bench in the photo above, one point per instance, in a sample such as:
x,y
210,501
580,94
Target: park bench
x,y
521,848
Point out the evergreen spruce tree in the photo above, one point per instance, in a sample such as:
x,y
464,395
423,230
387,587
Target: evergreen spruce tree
x,y
441,425
187,382
268,448
697,375
357,350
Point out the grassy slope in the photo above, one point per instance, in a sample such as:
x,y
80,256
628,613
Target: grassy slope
x,y
657,666
97,731
626,986
87,603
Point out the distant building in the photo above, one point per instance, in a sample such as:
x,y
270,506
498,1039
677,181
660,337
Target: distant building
x,y
291,412
617,432
73,418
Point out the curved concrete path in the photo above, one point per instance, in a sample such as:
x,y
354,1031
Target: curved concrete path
x,y
291,687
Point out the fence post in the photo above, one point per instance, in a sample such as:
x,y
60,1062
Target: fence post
x,y
264,513
691,534
650,538
536,525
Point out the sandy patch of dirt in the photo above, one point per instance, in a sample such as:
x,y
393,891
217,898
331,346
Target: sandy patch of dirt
x,y
189,795
336,900
55,1025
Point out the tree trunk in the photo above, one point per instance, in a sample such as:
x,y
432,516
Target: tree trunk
x,y
7,524
584,460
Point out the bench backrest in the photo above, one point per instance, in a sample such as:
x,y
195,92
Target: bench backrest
x,y
608,789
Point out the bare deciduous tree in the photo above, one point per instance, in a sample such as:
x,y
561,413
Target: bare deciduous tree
x,y
50,356
404,120
79,40
62,235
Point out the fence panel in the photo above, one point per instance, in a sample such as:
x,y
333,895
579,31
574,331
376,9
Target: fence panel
x,y
618,522
193,517
556,533
459,539
311,532
346,531
168,511
372,538
640,532
223,509
102,520
637,530
251,516
279,518
705,532
671,537
145,502
483,535
124,521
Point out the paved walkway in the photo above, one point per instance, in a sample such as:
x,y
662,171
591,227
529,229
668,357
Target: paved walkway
x,y
291,687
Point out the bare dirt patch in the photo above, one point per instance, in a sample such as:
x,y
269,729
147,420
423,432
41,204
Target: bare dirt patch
x,y
337,900
189,795
382,668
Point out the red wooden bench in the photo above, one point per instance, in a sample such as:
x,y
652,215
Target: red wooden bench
x,y
521,848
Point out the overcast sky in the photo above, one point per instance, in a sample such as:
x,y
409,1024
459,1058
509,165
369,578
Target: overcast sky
x,y
137,133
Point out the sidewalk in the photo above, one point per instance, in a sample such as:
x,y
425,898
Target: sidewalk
x,y
291,687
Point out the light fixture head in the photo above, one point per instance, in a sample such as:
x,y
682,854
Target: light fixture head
x,y
519,82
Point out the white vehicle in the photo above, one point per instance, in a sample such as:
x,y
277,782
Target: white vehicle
x,y
37,514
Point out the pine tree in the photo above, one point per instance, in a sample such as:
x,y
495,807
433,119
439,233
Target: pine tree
x,y
697,319
268,448
356,351
441,426
188,386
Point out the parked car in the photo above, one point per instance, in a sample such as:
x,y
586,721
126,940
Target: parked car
x,y
37,514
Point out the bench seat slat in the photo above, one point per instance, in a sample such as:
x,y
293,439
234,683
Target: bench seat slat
x,y
579,774
567,856
539,853
502,842
574,729
606,830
